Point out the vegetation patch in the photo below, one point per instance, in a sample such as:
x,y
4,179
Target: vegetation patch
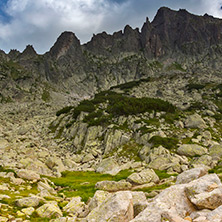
x,y
193,86
162,174
129,85
157,187
176,66
167,142
64,110
46,95
117,105
129,150
82,184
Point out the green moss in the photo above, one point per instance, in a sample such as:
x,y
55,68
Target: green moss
x,y
145,130
167,142
171,117
83,183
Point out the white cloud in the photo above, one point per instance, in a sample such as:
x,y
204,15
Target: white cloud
x,y
40,22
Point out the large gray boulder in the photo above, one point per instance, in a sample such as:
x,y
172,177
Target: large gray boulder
x,y
145,176
139,202
216,151
190,175
205,192
75,206
118,207
178,201
27,202
98,198
49,210
195,121
215,215
28,174
108,166
191,150
173,198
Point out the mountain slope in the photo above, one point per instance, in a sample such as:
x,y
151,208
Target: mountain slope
x,y
178,40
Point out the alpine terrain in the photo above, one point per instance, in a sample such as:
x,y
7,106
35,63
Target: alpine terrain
x,y
127,127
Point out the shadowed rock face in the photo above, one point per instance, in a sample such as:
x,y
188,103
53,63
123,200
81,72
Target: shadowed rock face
x,y
66,45
169,31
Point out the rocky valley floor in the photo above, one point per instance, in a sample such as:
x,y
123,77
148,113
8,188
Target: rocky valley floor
x,y
116,157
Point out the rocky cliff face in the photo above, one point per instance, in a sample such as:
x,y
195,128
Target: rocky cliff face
x,y
173,37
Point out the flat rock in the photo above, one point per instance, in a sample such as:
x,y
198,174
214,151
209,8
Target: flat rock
x,y
205,192
98,198
49,210
113,186
216,151
139,202
195,121
27,202
108,166
28,175
145,176
28,211
191,150
75,206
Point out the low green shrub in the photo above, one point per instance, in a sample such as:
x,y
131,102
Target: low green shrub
x,y
193,86
132,106
84,106
64,110
167,142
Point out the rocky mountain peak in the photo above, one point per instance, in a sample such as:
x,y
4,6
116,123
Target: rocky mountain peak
x,y
67,43
29,52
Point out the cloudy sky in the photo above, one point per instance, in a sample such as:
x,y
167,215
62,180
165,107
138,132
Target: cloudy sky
x,y
40,22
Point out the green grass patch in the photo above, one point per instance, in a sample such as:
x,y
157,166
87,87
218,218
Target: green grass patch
x,y
167,142
157,187
162,174
83,183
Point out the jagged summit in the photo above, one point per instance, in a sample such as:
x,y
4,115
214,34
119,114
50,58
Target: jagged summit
x,y
66,43
175,41
29,52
